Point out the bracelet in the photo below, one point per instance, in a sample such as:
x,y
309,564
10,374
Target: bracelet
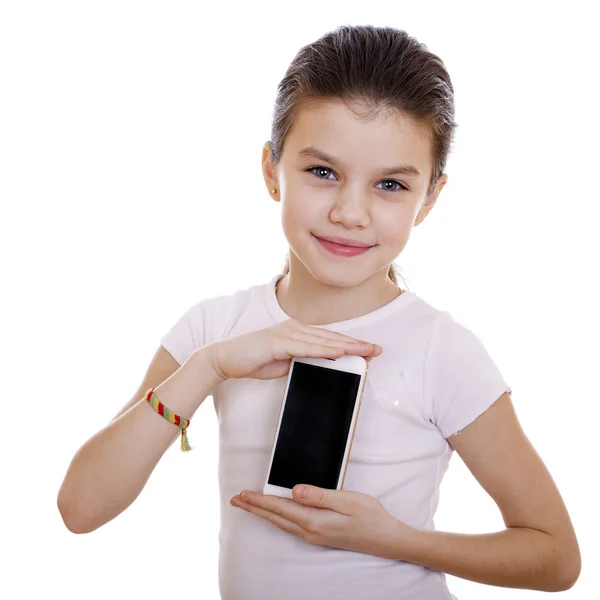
x,y
161,409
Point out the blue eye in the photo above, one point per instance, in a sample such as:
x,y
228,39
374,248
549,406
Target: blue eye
x,y
319,168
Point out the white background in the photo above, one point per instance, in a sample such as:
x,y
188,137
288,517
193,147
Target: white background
x,y
130,146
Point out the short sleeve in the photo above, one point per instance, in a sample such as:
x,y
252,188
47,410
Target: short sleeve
x,y
461,379
181,340
203,323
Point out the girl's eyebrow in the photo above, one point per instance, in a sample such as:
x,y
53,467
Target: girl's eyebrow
x,y
312,152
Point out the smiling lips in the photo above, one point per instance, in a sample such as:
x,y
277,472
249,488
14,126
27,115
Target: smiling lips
x,y
343,249
344,241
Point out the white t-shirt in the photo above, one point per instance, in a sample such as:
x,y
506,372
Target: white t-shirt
x,y
433,378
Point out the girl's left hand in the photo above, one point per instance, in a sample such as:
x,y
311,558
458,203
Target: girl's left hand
x,y
336,518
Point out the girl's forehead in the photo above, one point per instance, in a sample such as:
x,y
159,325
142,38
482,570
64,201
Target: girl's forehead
x,y
338,131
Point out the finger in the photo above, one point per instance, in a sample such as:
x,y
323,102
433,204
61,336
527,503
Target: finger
x,y
320,331
376,352
336,343
281,517
302,349
361,345
287,508
310,349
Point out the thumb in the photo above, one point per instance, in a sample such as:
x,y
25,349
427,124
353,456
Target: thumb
x,y
321,497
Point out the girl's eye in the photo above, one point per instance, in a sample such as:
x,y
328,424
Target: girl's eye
x,y
401,186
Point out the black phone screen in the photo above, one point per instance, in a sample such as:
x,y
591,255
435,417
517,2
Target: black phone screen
x,y
314,427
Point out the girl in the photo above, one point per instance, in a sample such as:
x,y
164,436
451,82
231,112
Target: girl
x,y
362,128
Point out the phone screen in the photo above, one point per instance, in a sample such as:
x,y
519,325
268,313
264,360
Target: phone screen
x,y
314,427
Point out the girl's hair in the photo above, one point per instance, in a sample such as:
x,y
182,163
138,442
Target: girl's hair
x,y
383,68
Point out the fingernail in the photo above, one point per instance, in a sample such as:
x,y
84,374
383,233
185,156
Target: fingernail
x,y
301,492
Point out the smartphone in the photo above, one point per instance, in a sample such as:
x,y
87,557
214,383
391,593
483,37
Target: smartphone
x,y
316,425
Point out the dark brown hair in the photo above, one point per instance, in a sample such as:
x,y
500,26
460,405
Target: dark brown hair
x,y
383,68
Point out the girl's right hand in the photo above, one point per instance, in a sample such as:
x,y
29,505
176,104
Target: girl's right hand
x,y
267,353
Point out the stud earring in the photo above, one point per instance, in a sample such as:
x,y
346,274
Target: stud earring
x,y
274,190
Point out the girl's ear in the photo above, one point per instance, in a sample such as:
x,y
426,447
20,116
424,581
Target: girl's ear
x,y
269,172
430,201
442,181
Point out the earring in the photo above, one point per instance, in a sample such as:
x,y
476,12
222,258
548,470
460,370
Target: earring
x,y
274,191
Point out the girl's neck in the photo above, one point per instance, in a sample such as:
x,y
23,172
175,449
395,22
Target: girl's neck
x,y
322,311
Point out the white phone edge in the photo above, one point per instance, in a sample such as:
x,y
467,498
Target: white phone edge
x,y
350,363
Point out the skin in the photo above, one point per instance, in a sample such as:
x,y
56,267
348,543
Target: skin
x,y
351,200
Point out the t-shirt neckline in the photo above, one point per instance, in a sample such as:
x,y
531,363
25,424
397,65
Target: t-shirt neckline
x,y
405,298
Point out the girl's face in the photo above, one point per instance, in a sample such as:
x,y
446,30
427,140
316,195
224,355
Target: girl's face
x,y
370,189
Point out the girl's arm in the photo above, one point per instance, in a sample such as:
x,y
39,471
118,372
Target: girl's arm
x,y
110,470
539,548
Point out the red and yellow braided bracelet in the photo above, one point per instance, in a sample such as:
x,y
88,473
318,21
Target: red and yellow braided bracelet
x,y
170,416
